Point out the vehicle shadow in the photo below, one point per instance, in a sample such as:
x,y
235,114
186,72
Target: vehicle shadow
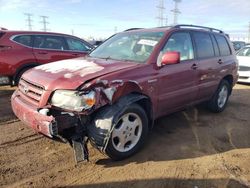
x,y
6,113
195,132
168,182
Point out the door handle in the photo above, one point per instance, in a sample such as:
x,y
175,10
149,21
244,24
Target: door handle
x,y
194,66
220,61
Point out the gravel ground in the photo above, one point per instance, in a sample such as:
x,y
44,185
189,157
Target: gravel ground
x,y
193,148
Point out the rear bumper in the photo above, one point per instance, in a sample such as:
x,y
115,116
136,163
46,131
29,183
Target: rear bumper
x,y
30,116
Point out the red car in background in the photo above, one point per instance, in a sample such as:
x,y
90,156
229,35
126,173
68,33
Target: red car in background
x,y
22,50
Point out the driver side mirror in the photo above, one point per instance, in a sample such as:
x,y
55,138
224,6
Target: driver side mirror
x,y
170,58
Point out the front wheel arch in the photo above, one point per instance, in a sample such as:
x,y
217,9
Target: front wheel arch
x,y
103,120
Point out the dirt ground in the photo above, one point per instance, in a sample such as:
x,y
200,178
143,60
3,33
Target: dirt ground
x,y
194,148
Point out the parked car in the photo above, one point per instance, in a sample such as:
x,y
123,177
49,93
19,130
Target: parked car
x,y
238,45
22,50
243,57
95,43
112,97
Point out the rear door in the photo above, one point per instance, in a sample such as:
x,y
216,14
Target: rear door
x,y
177,82
208,61
49,48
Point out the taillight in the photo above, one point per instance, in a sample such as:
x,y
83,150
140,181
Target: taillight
x,y
4,48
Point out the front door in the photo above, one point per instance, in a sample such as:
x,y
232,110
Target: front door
x,y
177,86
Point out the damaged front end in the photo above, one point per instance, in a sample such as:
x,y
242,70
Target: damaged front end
x,y
79,116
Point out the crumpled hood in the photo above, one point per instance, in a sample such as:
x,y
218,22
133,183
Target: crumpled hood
x,y
71,73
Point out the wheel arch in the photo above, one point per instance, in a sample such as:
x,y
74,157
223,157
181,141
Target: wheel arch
x,y
21,68
229,79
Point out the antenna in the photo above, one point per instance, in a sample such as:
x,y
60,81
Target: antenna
x,y
176,11
45,23
29,20
160,16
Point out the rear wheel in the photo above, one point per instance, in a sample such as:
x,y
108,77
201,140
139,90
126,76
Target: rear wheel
x,y
129,133
219,101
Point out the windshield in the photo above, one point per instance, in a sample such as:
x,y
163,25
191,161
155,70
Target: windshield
x,y
128,46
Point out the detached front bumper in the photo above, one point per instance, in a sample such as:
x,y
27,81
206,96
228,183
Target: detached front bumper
x,y
30,116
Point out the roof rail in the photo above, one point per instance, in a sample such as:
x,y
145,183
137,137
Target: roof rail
x,y
131,29
199,27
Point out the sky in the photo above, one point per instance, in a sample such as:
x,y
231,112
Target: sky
x,y
102,18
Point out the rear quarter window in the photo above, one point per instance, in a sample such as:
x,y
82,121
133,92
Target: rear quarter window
x,y
223,45
76,45
24,40
204,45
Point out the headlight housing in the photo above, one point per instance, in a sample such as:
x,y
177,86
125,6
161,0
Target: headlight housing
x,y
73,100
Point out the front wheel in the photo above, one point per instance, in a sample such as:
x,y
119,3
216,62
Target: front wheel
x,y
219,101
129,133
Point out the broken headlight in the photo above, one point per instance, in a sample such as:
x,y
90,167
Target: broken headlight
x,y
73,100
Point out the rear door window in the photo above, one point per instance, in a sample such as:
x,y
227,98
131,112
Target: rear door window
x,y
180,42
76,45
25,40
204,45
223,45
49,42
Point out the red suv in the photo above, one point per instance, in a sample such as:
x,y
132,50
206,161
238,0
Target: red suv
x,y
112,97
21,50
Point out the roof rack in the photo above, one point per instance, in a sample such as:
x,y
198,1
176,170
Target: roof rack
x,y
132,29
199,27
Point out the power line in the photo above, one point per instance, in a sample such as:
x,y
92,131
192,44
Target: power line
x,y
160,16
176,11
45,23
29,20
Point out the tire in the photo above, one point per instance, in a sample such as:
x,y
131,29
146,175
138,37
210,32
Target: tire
x,y
219,100
129,133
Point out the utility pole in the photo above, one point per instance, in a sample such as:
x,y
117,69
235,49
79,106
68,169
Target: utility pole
x,y
166,21
29,20
45,23
115,29
176,11
160,16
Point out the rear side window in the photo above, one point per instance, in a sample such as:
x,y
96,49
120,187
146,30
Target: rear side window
x,y
180,42
204,45
223,45
49,42
76,45
25,40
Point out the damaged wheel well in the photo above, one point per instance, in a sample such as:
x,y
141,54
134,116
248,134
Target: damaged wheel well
x,y
101,126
